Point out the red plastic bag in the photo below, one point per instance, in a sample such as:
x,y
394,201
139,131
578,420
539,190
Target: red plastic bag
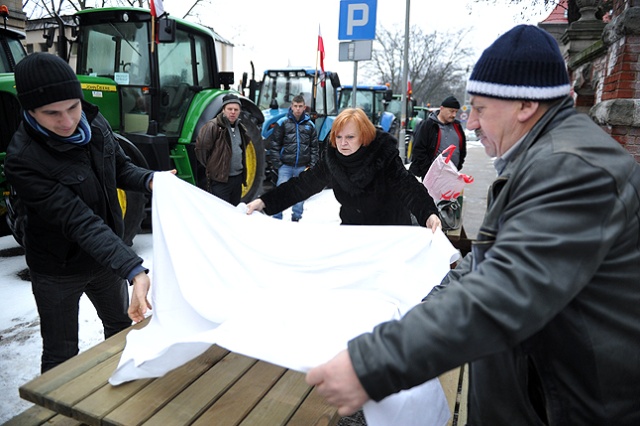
x,y
443,180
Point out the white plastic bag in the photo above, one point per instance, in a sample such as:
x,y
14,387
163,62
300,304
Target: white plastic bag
x,y
443,180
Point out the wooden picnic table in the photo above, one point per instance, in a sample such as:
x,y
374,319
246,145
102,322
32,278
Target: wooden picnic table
x,y
217,388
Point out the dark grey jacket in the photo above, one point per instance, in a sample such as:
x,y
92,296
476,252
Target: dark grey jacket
x,y
74,221
294,142
546,308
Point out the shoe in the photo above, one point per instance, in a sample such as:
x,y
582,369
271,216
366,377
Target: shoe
x,y
295,219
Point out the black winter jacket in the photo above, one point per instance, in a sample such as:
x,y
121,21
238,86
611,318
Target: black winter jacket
x,y
294,143
426,145
73,217
380,192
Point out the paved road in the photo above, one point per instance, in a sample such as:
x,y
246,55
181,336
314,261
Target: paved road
x,y
480,166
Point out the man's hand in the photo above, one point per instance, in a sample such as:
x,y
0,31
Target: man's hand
x,y
172,171
337,382
433,223
256,204
139,303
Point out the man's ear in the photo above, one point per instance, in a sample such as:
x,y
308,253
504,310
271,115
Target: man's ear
x,y
527,110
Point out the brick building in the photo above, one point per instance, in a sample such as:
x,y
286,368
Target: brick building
x,y
602,58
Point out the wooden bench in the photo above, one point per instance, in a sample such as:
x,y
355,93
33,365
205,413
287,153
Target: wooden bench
x,y
232,389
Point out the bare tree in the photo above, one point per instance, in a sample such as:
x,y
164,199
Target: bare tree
x,y
438,62
46,8
573,12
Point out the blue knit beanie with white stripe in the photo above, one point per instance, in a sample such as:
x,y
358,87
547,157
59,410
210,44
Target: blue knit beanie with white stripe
x,y
525,63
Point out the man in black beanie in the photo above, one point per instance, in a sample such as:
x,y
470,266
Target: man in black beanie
x,y
435,134
545,307
65,166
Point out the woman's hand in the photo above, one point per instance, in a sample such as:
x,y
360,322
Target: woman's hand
x,y
433,223
256,204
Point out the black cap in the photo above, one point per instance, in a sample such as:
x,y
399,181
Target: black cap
x,y
43,78
230,99
451,102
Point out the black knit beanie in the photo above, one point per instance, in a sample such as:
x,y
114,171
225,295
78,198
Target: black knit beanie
x,y
525,63
43,78
451,102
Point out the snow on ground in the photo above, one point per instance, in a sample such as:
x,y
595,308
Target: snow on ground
x,y
20,342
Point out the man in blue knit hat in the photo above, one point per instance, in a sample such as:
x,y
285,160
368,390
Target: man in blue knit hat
x,y
545,308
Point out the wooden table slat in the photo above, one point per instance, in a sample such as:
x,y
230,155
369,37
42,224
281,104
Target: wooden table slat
x,y
314,411
240,399
67,395
94,407
153,397
202,393
281,402
34,415
35,390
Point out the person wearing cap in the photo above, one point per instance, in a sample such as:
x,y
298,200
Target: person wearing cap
x,y
545,307
221,150
433,135
65,165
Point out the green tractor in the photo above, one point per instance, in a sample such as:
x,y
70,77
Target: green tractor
x,y
157,95
11,52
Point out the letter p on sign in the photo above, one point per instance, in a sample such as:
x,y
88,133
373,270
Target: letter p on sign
x,y
357,20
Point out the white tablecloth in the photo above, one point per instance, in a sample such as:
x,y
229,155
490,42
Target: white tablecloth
x,y
292,294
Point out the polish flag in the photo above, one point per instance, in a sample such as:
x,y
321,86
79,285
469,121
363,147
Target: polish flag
x,y
157,9
321,51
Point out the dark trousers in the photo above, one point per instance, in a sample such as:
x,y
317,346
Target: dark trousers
x,y
58,301
230,191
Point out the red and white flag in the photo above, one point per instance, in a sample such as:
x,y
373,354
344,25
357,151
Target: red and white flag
x,y
321,53
157,8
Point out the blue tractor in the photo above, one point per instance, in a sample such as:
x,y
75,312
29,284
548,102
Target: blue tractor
x,y
374,101
276,91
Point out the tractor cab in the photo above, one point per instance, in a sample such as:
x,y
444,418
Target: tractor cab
x,y
278,88
374,101
276,92
167,85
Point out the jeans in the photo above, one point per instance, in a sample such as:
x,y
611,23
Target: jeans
x,y
58,302
285,173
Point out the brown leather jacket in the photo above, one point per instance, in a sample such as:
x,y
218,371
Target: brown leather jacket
x,y
213,148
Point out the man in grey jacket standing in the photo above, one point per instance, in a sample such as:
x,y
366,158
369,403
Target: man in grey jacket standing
x,y
545,308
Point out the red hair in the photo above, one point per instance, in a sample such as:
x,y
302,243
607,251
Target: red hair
x,y
365,128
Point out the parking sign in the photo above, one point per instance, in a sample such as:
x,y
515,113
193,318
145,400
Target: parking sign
x,y
357,20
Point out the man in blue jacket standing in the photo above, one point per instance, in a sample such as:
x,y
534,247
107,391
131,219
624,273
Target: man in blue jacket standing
x,y
294,148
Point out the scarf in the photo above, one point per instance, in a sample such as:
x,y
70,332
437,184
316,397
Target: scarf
x,y
80,137
354,161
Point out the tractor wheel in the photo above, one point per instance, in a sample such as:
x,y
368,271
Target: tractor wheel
x,y
255,164
408,148
133,204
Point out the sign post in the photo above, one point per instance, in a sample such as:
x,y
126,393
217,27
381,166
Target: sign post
x,y
358,24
